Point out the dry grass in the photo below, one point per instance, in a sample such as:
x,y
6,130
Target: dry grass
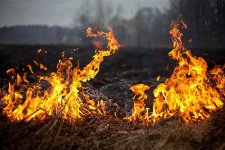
x,y
113,133
108,132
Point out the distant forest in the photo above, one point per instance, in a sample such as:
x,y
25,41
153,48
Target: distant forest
x,y
149,28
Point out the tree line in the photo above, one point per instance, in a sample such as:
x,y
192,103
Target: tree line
x,y
148,28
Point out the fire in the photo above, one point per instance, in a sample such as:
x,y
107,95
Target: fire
x,y
30,67
97,44
192,93
188,93
63,97
12,70
139,104
43,67
39,50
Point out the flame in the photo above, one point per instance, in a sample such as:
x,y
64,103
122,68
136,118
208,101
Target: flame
x,y
30,67
35,62
97,44
18,80
25,79
139,104
63,97
43,67
159,77
12,70
39,50
189,92
192,93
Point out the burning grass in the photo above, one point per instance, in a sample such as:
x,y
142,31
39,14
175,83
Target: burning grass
x,y
187,110
113,133
188,92
63,96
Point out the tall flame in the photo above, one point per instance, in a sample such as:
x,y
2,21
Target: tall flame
x,y
63,96
188,92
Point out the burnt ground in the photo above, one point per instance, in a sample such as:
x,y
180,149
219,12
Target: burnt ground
x,y
117,74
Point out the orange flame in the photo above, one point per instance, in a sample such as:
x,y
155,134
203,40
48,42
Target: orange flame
x,y
25,79
30,67
139,104
63,96
12,70
43,67
187,92
35,62
97,44
39,50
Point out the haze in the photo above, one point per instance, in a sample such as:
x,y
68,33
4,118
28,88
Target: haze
x,y
63,13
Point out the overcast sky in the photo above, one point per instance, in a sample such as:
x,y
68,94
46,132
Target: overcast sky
x,y
62,12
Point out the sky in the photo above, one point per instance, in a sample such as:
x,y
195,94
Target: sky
x,y
63,12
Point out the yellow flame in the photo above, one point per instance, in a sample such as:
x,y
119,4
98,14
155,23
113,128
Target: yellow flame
x,y
187,92
42,67
39,50
63,96
139,103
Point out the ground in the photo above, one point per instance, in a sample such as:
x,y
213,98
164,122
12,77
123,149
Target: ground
x,y
129,66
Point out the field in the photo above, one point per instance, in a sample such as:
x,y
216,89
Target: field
x,y
129,66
